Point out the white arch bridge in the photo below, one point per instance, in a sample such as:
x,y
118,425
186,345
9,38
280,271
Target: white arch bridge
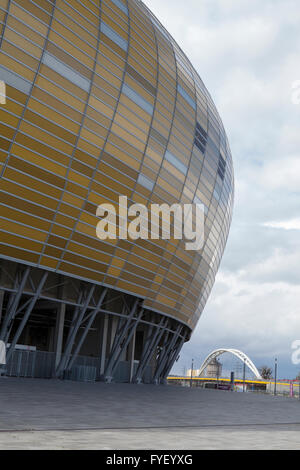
x,y
235,352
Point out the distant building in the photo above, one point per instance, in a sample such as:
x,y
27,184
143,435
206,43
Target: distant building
x,y
214,369
195,373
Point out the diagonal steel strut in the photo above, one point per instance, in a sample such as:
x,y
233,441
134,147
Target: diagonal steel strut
x,y
119,338
164,357
13,304
86,329
127,341
26,315
173,357
78,316
149,350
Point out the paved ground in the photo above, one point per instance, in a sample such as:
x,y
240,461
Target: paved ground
x,y
52,414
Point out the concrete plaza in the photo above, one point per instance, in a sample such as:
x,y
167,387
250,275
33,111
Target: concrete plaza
x,y
53,414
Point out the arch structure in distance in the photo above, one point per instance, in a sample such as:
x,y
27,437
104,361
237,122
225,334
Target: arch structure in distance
x,y
235,352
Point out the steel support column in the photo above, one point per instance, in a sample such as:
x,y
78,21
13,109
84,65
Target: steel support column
x,y
59,330
116,325
119,335
124,344
131,356
1,303
78,316
104,344
119,341
171,354
12,305
164,357
158,358
173,357
27,314
91,319
149,348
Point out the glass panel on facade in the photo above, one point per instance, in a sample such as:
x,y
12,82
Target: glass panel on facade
x,y
121,6
12,79
66,71
176,162
137,98
186,96
115,37
146,182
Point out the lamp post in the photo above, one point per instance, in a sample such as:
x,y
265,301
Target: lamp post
x,y
192,372
232,381
275,379
244,375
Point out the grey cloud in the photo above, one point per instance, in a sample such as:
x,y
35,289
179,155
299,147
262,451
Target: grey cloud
x,y
247,53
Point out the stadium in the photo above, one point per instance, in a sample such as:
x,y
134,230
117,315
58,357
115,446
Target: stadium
x,y
100,102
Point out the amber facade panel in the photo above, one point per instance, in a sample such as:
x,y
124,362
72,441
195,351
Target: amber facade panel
x,y
98,93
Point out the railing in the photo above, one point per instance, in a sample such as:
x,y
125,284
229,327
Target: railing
x,y
24,363
41,364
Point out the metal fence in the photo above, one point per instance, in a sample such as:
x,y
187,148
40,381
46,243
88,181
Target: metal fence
x,y
38,364
41,364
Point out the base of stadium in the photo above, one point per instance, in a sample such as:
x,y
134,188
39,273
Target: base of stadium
x,y
57,326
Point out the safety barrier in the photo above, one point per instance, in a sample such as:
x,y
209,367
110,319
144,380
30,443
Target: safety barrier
x,y
41,364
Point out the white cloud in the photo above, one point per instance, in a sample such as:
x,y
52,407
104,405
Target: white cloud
x,y
293,224
281,174
281,266
246,39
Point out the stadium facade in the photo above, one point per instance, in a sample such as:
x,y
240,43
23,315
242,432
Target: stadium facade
x,y
101,102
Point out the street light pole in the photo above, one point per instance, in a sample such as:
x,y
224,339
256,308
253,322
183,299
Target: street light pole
x,y
244,375
275,380
192,372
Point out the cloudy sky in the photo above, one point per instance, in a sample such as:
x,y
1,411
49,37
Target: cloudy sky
x,y
248,54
